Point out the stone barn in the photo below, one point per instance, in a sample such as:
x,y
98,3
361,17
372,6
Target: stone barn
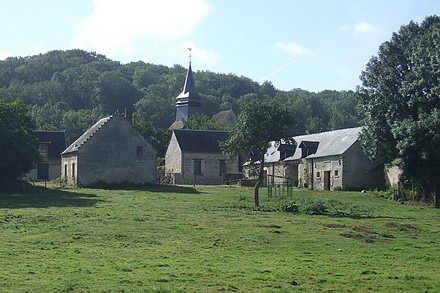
x,y
111,151
195,157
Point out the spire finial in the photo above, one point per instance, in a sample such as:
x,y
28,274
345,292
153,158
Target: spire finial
x,y
190,49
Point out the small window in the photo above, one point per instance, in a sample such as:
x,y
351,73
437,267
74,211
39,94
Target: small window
x,y
43,147
318,174
221,167
73,170
336,173
139,152
197,166
65,170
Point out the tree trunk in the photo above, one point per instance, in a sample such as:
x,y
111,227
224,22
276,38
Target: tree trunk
x,y
257,186
256,195
437,195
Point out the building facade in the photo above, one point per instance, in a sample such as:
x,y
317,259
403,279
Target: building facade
x,y
195,157
327,161
50,144
110,152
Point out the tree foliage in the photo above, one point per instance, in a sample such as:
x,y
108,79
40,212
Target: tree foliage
x,y
18,154
69,90
204,122
259,123
401,103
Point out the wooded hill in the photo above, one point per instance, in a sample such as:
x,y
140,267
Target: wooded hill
x,y
70,90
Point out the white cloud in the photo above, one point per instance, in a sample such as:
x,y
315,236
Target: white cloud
x,y
292,48
364,27
207,56
116,24
4,55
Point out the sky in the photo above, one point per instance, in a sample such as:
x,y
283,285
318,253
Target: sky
x,y
313,45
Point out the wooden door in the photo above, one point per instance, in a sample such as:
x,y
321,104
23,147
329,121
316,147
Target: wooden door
x,y
326,180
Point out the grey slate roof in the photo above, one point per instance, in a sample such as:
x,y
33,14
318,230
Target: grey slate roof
x,y
56,141
86,135
226,117
189,88
200,141
331,143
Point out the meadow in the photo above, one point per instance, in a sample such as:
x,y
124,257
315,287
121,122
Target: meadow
x,y
209,239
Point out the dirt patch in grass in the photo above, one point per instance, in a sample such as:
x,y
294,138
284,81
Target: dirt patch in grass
x,y
402,227
366,234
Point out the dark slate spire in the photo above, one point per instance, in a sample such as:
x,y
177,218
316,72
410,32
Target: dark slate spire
x,y
190,85
188,102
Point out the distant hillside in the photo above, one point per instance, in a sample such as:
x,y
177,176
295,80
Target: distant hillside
x,y
69,90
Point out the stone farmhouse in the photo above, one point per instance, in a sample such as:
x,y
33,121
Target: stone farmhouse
x,y
325,161
195,157
111,151
50,145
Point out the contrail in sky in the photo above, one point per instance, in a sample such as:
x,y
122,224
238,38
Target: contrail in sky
x,y
278,70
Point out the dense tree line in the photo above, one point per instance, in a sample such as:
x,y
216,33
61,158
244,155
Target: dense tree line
x,y
17,144
70,90
400,98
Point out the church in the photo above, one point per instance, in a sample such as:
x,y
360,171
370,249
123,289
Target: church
x,y
194,156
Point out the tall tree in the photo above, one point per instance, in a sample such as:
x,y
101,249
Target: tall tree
x,y
18,153
259,123
204,122
401,103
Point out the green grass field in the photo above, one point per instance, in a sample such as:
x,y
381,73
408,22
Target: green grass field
x,y
209,239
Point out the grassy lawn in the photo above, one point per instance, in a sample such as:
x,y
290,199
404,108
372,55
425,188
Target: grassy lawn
x,y
209,239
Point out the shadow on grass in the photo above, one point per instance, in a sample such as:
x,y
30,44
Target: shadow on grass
x,y
173,189
147,187
40,197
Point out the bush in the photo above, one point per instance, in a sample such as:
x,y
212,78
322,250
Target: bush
x,y
316,208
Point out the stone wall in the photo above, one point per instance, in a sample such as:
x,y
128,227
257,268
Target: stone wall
x,y
392,174
69,169
54,170
210,163
327,173
281,172
116,153
173,157
180,166
360,172
351,171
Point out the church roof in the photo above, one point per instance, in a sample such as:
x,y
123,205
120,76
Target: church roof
x,y
200,141
189,88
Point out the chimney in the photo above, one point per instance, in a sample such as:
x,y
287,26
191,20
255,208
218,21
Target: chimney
x,y
129,115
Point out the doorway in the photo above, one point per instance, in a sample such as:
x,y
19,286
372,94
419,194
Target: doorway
x,y
326,180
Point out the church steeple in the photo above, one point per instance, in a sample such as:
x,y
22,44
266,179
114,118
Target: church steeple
x,y
188,102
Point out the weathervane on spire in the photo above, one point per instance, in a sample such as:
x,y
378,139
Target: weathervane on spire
x,y
190,49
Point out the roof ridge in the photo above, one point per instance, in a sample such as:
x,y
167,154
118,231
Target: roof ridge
x,y
201,130
80,141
